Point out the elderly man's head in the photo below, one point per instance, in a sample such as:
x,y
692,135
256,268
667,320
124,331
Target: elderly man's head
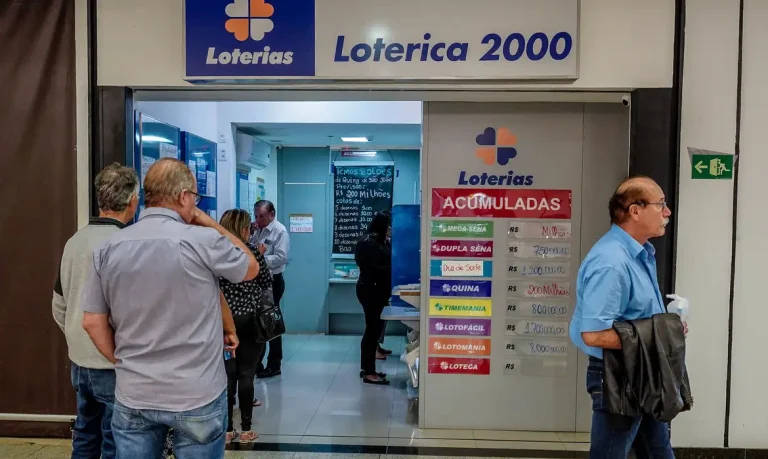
x,y
117,192
638,205
169,183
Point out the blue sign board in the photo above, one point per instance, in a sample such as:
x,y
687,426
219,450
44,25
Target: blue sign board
x,y
249,38
436,269
446,287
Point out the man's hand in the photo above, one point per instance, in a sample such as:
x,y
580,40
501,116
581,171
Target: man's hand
x,y
200,218
231,342
685,329
262,248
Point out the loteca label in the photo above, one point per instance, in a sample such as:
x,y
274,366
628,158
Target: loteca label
x,y
459,366
459,327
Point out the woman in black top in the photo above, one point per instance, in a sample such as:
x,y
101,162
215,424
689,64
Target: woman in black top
x,y
244,300
373,256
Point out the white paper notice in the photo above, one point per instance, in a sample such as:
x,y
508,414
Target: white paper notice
x,y
210,184
543,249
537,328
538,269
243,186
533,289
539,230
450,268
301,223
193,168
169,151
146,163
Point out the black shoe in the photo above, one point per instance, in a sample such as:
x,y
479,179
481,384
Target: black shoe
x,y
384,351
378,382
380,375
269,373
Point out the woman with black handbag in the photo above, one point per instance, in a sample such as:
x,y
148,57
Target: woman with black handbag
x,y
246,302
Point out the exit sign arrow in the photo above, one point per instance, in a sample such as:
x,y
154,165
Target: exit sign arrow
x,y
700,166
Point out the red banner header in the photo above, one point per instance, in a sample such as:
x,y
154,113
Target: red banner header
x,y
501,203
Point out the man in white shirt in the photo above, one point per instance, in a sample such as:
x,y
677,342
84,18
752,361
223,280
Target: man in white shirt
x,y
273,242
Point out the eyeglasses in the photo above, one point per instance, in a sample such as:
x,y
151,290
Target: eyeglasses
x,y
198,198
661,204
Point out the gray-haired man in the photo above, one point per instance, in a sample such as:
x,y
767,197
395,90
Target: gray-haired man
x,y
93,376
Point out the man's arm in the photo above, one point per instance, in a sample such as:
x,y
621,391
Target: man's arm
x,y
279,255
605,296
202,219
103,336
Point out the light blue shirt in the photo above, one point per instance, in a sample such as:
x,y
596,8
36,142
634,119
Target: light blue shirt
x,y
159,282
617,281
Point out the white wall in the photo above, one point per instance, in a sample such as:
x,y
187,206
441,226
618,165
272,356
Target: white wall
x,y
749,400
82,112
199,118
623,44
705,211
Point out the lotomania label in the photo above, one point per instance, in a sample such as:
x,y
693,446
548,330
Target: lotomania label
x,y
461,248
459,346
445,287
501,203
460,228
459,366
459,307
461,327
460,268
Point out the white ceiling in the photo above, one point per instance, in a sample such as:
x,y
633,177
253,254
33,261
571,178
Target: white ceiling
x,y
305,134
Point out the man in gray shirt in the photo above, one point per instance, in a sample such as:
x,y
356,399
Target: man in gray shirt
x,y
273,242
93,376
152,306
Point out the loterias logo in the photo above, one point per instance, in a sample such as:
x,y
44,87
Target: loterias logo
x,y
249,38
495,147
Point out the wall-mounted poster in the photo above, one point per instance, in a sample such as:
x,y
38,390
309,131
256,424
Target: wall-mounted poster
x,y
301,223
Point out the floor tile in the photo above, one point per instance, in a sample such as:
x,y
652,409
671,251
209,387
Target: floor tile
x,y
258,455
432,443
574,437
498,435
18,451
347,426
52,452
267,438
544,445
405,431
366,441
576,446
335,456
288,422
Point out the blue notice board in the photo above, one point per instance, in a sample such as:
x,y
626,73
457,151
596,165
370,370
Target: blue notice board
x,y
406,247
200,156
153,139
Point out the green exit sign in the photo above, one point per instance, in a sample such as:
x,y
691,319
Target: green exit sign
x,y
712,167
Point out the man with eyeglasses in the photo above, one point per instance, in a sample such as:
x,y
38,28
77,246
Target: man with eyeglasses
x,y
152,307
617,281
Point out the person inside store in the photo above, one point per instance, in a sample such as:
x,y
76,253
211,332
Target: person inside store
x,y
273,241
152,306
381,353
617,281
245,300
93,375
373,256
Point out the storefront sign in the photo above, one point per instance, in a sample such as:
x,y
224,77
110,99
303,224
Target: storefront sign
x,y
538,269
539,230
460,268
531,289
366,39
462,248
459,366
462,228
501,203
460,327
541,249
545,308
459,307
471,288
459,346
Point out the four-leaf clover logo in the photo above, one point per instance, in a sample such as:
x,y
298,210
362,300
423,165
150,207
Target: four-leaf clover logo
x,y
249,18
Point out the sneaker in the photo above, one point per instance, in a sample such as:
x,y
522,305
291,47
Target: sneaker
x,y
247,437
231,436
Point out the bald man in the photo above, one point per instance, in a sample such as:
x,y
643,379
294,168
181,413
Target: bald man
x,y
617,282
153,308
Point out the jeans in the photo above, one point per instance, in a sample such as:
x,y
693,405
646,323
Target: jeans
x,y
92,433
613,435
275,357
197,434
241,370
373,305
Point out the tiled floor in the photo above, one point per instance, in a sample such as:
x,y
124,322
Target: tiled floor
x,y
320,400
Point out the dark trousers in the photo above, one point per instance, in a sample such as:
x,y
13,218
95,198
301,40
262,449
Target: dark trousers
x,y
613,435
241,371
373,305
275,357
92,434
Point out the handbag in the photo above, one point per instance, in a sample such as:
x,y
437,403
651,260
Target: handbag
x,y
269,319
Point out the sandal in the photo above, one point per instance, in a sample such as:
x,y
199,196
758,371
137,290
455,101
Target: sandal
x,y
247,437
231,436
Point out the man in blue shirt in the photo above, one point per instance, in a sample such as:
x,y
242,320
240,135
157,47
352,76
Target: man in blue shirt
x,y
617,281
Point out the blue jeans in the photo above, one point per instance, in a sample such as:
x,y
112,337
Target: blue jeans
x,y
613,435
92,433
197,434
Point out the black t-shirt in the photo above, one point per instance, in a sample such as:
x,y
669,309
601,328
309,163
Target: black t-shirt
x,y
245,297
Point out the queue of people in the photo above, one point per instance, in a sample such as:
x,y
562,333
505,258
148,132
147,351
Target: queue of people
x,y
151,310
